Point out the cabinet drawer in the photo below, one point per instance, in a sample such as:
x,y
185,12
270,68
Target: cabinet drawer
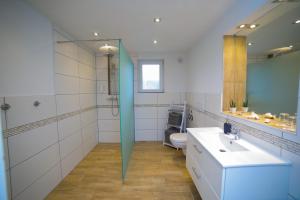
x,y
208,165
200,180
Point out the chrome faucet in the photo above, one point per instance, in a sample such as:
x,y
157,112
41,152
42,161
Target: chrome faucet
x,y
236,132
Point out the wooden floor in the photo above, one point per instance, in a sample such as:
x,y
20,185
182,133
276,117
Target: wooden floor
x,y
154,172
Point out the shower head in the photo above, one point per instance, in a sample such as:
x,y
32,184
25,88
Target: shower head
x,y
108,49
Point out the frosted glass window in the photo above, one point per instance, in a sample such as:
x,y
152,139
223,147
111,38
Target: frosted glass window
x,y
150,76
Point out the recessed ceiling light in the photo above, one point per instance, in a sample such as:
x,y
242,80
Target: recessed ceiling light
x,y
252,26
157,19
154,41
291,46
249,43
242,26
297,21
96,34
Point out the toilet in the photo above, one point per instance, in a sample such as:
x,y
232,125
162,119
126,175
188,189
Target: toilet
x,y
179,141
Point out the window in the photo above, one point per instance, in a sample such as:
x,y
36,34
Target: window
x,y
150,76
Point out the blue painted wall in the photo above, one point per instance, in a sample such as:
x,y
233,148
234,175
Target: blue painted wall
x,y
272,86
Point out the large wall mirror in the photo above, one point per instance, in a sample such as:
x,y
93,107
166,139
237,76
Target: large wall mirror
x,y
262,67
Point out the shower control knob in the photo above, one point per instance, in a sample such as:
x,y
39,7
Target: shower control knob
x,y
5,107
36,103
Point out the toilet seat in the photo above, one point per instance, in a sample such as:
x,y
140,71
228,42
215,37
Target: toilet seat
x,y
179,140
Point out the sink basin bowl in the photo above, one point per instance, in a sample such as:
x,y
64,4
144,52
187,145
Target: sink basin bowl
x,y
223,142
229,145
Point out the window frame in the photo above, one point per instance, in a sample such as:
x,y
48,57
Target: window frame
x,y
142,62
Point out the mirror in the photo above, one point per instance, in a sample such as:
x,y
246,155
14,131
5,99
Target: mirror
x,y
262,67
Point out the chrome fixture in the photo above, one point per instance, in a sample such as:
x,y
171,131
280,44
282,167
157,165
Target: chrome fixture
x,y
110,51
236,133
5,107
36,103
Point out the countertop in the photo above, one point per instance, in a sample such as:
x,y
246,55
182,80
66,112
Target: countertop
x,y
254,156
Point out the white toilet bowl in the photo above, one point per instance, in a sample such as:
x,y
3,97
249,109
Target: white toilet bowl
x,y
179,141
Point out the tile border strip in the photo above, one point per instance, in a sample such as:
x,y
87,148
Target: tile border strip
x,y
137,105
280,142
33,125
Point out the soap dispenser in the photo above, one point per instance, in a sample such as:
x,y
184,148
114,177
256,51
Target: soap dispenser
x,y
227,127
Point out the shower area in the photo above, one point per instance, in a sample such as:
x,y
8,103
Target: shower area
x,y
115,95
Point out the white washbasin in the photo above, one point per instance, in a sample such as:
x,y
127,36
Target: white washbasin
x,y
222,142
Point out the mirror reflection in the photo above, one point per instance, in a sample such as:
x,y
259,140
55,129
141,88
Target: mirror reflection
x,y
261,68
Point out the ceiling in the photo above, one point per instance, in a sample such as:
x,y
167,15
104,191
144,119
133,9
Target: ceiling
x,y
183,21
276,30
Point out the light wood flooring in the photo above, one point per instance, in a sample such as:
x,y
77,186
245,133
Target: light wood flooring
x,y
154,172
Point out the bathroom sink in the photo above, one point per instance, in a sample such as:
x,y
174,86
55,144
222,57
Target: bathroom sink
x,y
225,144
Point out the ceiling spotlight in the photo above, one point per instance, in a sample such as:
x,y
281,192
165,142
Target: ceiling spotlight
x,y
96,34
242,26
297,21
249,44
154,41
252,26
157,19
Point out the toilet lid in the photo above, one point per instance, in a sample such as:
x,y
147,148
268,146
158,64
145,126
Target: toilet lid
x,y
179,137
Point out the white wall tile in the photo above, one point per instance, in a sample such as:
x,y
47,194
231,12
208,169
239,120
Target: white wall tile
x,y
88,117
213,103
146,135
160,134
87,86
27,172
162,123
89,131
109,137
145,112
162,112
69,144
90,143
102,87
168,98
106,113
65,65
102,74
67,103
105,99
87,72
101,62
68,49
145,98
109,125
23,111
86,57
66,84
43,186
68,126
87,100
27,144
69,162
145,124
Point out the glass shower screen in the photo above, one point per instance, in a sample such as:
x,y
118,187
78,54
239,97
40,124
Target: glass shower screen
x,y
126,92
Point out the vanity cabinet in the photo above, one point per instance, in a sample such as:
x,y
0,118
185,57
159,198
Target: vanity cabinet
x,y
250,182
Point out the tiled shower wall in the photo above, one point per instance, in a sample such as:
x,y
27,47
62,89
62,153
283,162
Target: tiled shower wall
x,y
45,142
